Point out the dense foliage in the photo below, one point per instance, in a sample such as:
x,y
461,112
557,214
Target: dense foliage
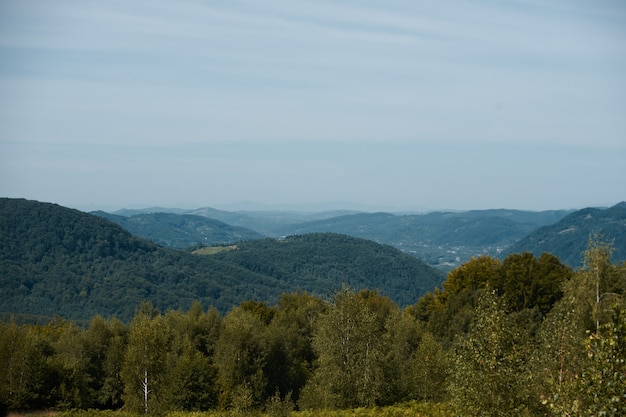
x,y
522,348
54,260
322,258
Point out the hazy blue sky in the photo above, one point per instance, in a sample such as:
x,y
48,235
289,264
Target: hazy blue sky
x,y
397,104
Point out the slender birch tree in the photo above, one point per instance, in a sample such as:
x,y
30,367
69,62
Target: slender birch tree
x,y
146,364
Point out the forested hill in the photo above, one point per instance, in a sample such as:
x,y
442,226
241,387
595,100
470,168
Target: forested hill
x,y
55,260
319,257
442,239
568,238
180,231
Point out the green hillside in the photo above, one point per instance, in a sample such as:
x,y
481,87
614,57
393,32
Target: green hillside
x,y
442,239
320,258
55,260
567,239
180,231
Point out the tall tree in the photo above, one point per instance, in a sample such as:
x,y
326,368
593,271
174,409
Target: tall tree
x,y
111,392
194,375
290,354
70,363
580,354
147,362
240,358
403,334
194,378
349,344
598,268
604,375
18,367
453,310
429,370
556,363
485,378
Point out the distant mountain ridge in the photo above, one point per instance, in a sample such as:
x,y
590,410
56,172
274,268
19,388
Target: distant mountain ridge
x,y
456,228
444,239
56,260
181,231
264,222
441,239
567,239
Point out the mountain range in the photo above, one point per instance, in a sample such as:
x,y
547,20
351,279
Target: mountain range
x,y
181,231
568,238
60,261
443,240
56,260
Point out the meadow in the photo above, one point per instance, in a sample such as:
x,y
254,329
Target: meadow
x,y
410,409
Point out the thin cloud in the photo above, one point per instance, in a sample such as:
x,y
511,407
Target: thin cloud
x,y
149,76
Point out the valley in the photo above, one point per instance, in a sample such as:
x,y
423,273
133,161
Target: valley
x,y
443,240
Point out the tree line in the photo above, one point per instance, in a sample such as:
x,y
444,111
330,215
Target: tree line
x,y
523,336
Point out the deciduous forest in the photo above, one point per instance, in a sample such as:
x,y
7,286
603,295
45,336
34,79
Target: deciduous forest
x,y
523,336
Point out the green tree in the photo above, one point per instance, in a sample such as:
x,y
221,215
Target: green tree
x,y
604,376
289,350
194,379
95,341
194,375
485,378
599,270
564,356
112,389
240,355
556,363
403,334
349,344
70,363
147,364
56,366
552,274
18,367
473,275
452,312
429,370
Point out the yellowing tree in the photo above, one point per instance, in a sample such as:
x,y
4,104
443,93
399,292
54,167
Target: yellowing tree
x,y
349,344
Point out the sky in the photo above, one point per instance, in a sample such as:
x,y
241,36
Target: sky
x,y
377,105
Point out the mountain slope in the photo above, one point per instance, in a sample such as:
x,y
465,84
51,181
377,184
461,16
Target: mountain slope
x,y
322,257
55,260
180,231
568,238
444,239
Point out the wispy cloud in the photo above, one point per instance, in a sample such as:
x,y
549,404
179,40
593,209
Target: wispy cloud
x,y
160,74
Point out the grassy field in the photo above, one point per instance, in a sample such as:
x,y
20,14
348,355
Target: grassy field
x,y
404,410
212,250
